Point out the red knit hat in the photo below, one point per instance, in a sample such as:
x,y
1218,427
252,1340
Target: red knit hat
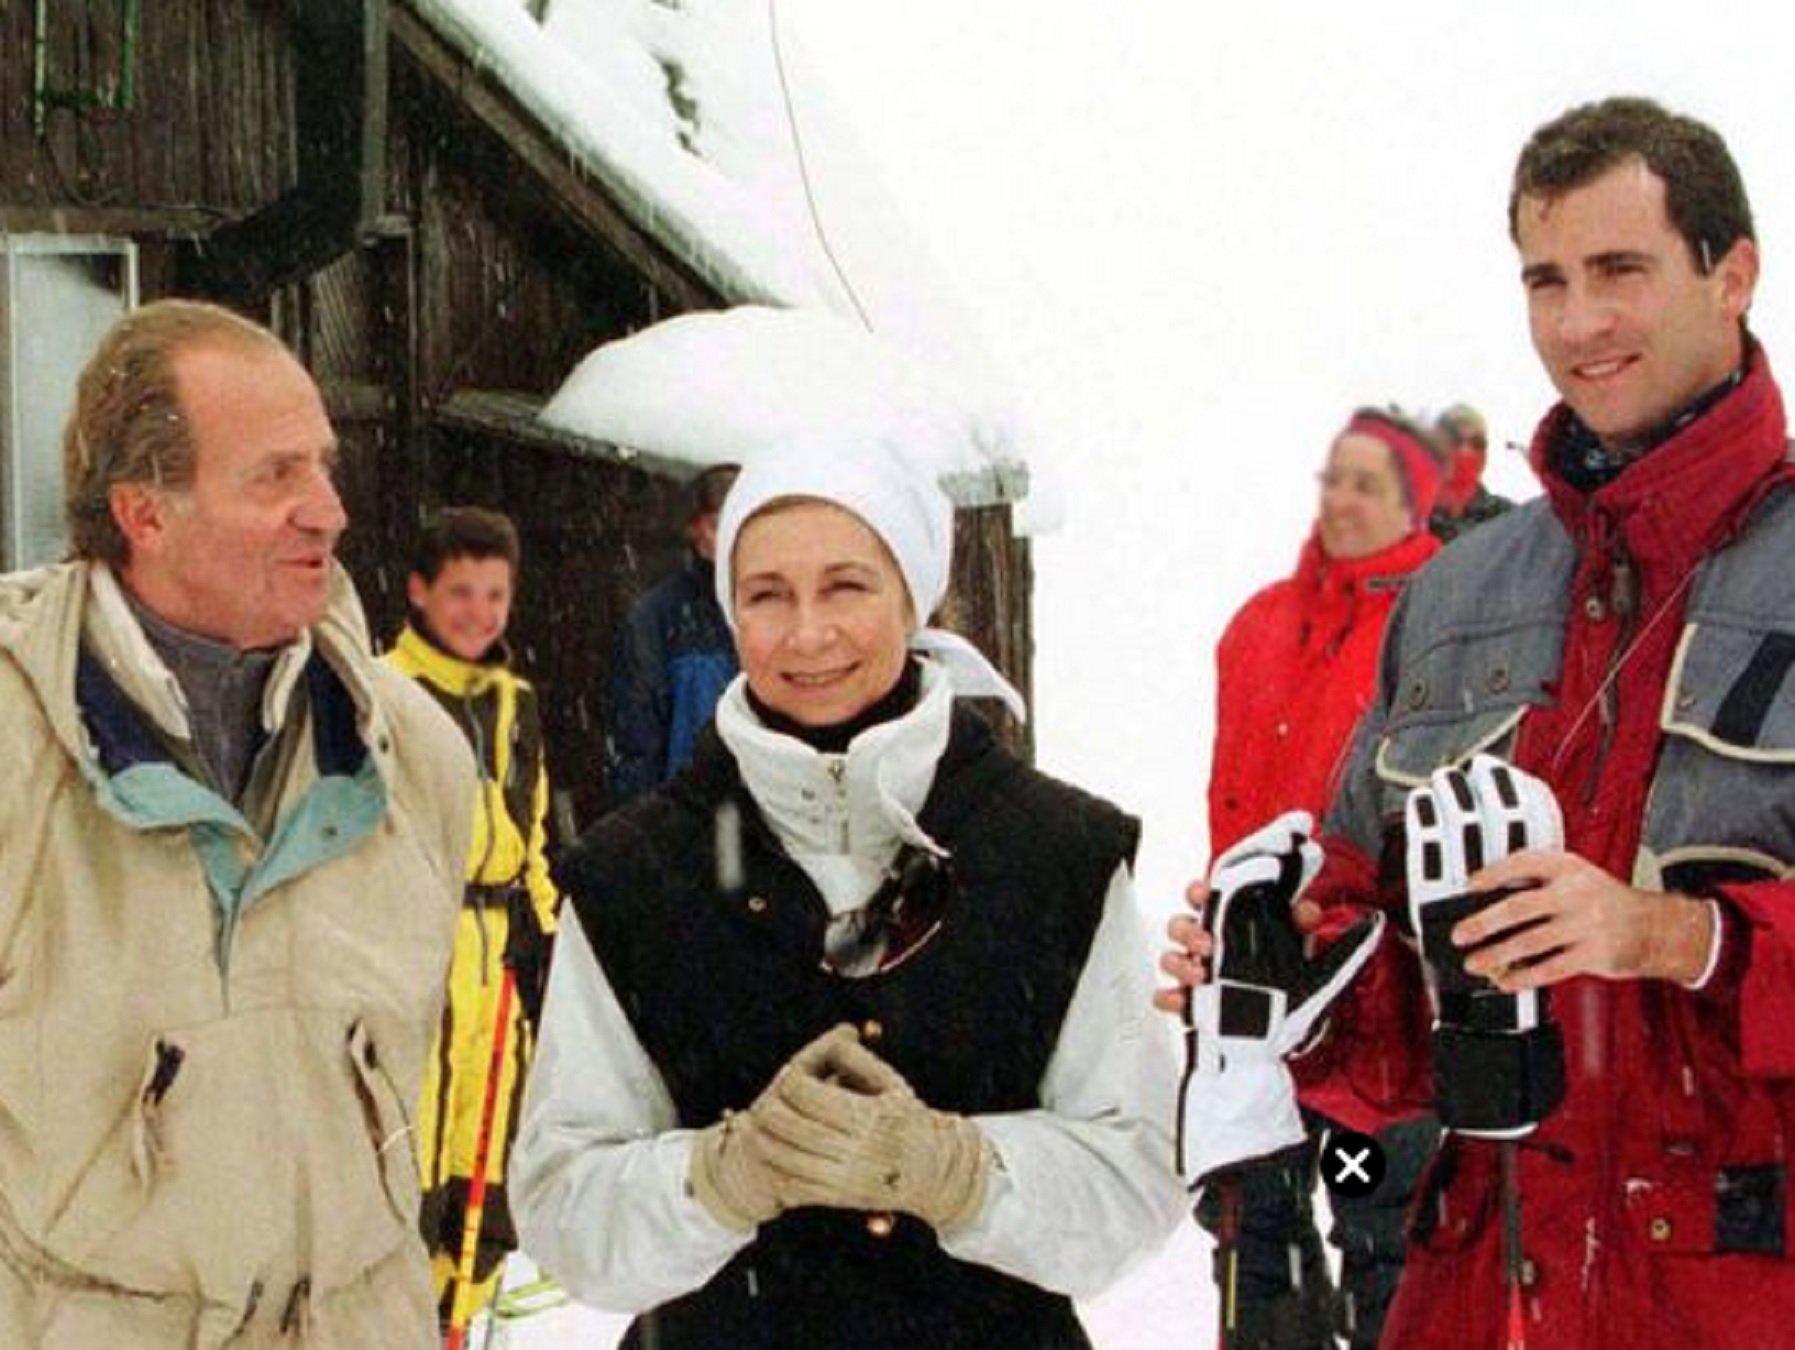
x,y
1417,463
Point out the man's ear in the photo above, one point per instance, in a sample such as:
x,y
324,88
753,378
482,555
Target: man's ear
x,y
416,589
1738,273
141,513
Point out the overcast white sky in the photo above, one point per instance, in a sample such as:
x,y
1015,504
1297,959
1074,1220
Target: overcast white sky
x,y
1197,236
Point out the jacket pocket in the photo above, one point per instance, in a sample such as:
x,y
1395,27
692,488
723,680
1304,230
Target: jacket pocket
x,y
1460,696
118,1184
1721,808
266,1151
387,1122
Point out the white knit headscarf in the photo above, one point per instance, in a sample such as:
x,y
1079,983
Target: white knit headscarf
x,y
897,500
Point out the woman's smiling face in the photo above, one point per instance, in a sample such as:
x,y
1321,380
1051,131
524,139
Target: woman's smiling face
x,y
822,613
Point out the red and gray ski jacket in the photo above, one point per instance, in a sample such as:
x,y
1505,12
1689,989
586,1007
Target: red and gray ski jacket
x,y
1633,648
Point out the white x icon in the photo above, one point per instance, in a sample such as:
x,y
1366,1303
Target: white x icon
x,y
1352,1165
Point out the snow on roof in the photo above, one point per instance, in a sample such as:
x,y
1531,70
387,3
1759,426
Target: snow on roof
x,y
711,130
617,82
713,388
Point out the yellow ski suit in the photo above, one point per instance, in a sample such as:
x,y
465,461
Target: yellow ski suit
x,y
507,916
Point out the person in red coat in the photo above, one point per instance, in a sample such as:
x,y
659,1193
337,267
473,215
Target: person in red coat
x,y
1294,669
1625,642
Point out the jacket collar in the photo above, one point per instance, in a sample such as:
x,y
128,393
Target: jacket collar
x,y
114,636
48,616
1686,496
1375,571
443,668
864,802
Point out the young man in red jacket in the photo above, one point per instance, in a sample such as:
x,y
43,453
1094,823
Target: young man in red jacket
x,y
1625,641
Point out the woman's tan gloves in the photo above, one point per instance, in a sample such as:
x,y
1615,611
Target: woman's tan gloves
x,y
839,1127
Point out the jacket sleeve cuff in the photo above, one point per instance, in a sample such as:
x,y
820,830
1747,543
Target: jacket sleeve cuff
x,y
1717,946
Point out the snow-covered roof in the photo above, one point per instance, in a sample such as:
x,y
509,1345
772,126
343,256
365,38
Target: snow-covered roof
x,y
705,123
656,101
719,387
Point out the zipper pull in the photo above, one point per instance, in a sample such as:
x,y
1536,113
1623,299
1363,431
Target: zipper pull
x,y
1625,589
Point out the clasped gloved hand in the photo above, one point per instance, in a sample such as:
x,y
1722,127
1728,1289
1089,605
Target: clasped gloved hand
x,y
846,1131
1498,1059
1264,996
736,1171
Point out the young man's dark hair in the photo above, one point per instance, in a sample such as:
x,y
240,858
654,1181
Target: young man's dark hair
x,y
711,487
1703,192
465,532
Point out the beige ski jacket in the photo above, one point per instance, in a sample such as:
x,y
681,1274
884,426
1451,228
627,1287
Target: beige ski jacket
x,y
213,1020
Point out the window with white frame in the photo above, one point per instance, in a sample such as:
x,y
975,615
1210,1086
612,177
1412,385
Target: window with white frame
x,y
58,295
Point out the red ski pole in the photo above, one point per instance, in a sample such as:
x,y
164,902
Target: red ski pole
x,y
461,1310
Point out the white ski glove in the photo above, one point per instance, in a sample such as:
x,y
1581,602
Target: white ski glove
x,y
1263,998
1498,1059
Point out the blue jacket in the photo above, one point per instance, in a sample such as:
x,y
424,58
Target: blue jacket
x,y
674,656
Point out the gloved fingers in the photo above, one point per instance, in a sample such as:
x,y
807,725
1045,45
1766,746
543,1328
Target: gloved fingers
x,y
1278,836
1458,826
850,1065
1519,811
1434,820
822,1105
796,1146
1253,887
1307,861
813,1059
1255,933
1237,892
837,1108
1326,978
820,1193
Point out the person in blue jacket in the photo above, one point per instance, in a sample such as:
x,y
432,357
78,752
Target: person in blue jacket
x,y
674,656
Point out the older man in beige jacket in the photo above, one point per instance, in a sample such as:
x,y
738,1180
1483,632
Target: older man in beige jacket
x,y
230,860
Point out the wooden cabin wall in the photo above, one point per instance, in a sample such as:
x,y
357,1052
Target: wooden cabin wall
x,y
210,130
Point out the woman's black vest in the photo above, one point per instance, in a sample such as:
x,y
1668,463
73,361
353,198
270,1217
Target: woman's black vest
x,y
722,978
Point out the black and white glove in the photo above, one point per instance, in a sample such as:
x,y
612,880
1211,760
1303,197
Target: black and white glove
x,y
1498,1059
1264,997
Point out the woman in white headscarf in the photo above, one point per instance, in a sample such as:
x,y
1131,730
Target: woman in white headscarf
x,y
850,1044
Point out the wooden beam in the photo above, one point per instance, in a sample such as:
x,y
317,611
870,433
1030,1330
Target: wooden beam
x,y
356,400
575,191
168,222
513,417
